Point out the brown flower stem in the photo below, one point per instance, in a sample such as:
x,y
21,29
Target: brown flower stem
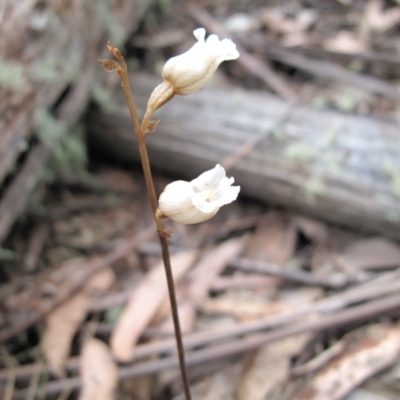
x,y
140,132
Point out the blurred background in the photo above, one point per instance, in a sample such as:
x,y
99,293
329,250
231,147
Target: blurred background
x,y
291,292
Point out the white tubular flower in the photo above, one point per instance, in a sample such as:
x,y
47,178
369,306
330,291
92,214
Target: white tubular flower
x,y
192,70
200,199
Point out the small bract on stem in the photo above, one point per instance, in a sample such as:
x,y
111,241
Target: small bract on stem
x,y
185,202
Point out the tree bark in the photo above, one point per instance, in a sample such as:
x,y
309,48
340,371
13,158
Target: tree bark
x,y
340,168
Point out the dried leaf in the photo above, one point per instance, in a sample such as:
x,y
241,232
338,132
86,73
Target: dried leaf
x,y
243,281
64,321
140,388
212,265
273,360
270,368
144,303
202,277
60,329
375,350
313,229
98,371
373,253
221,386
101,281
274,240
243,309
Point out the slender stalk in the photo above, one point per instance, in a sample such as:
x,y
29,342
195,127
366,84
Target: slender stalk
x,y
140,136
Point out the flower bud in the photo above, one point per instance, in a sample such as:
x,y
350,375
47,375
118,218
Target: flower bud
x,y
200,199
192,70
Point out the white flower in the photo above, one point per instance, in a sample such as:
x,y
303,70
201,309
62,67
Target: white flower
x,y
200,199
192,70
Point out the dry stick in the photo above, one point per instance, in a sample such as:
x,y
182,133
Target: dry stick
x,y
140,132
384,285
266,268
261,69
62,296
319,361
234,347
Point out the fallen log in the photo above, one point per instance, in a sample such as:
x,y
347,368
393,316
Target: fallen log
x,y
341,168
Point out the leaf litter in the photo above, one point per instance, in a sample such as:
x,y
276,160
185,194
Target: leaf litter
x,y
221,305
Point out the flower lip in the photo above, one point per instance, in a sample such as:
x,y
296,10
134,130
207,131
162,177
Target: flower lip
x,y
213,189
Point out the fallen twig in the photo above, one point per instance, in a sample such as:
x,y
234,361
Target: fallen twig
x,y
62,296
234,347
267,268
368,291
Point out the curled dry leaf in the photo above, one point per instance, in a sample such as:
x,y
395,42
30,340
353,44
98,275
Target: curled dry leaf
x,y
61,326
143,304
98,371
376,349
270,368
64,321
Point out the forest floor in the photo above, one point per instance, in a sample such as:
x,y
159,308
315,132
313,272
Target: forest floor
x,y
273,304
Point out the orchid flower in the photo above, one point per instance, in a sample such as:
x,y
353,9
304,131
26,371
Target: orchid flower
x,y
200,199
192,70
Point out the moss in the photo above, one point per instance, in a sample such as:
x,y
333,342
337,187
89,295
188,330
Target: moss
x,y
6,254
69,156
48,128
394,175
11,75
299,152
315,186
